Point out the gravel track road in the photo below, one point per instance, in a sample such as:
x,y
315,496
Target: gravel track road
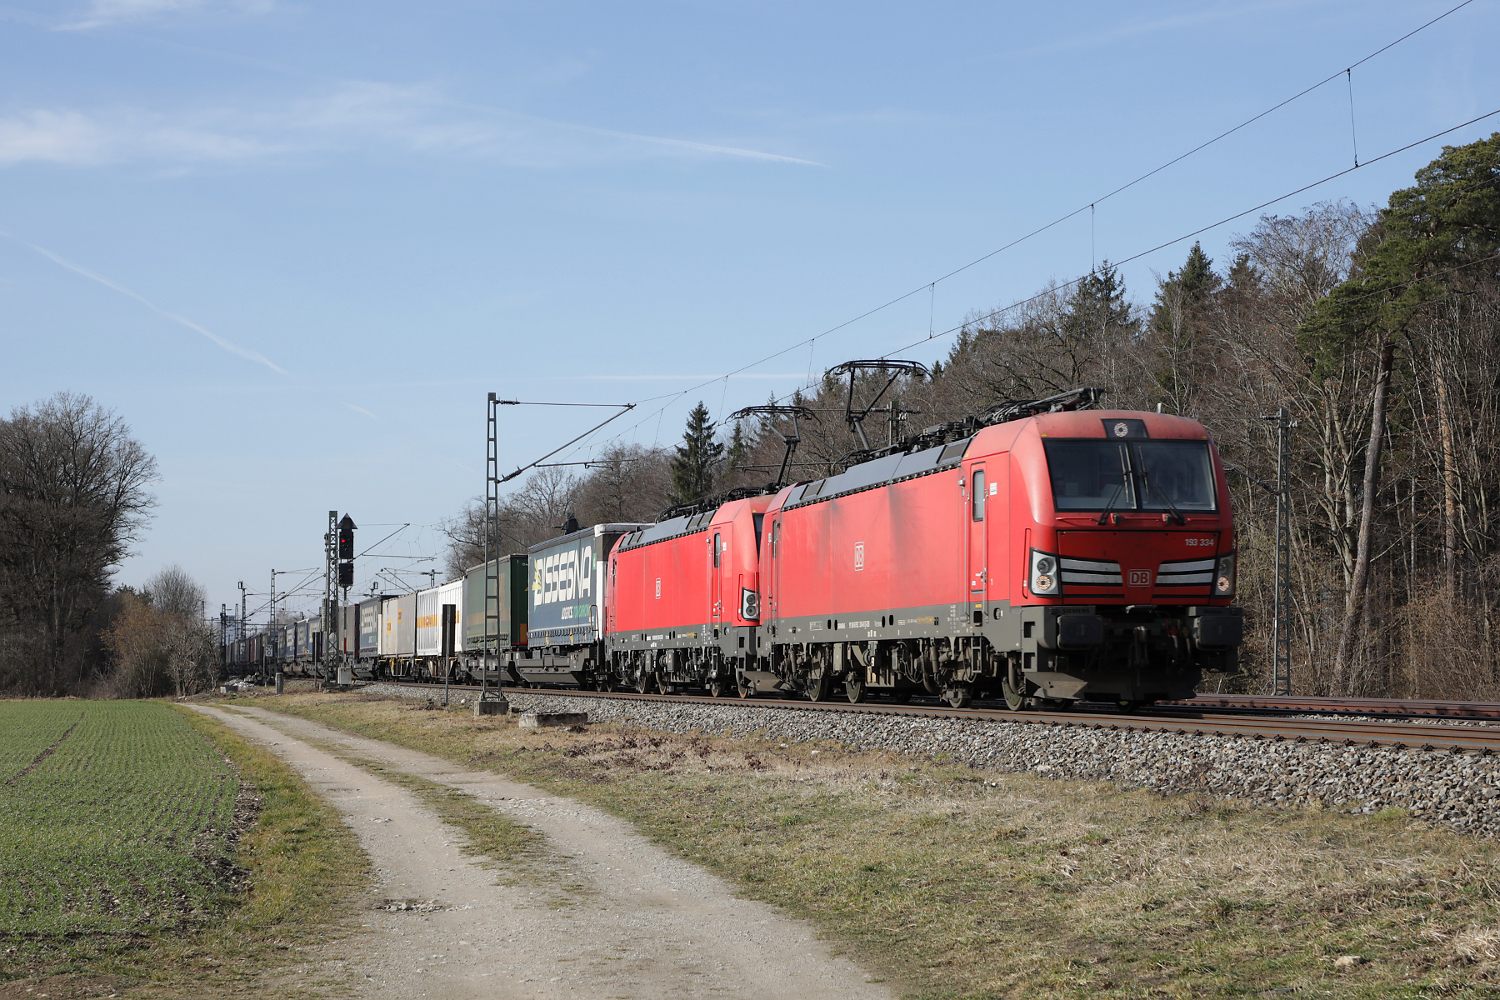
x,y
648,925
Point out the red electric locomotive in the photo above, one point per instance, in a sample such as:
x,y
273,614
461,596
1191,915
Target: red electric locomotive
x,y
1066,556
681,600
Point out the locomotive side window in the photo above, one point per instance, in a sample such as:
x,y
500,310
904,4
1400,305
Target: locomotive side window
x,y
775,537
1100,475
979,495
718,547
759,520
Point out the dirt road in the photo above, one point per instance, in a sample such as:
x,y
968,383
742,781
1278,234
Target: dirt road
x,y
648,925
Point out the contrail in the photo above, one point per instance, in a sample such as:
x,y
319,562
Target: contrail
x,y
360,409
227,345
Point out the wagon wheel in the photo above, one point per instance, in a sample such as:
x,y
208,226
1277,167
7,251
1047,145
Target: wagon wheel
x,y
902,697
663,684
743,687
716,688
959,696
1014,700
854,689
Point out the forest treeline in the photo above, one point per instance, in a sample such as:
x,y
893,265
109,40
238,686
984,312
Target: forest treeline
x,y
1378,330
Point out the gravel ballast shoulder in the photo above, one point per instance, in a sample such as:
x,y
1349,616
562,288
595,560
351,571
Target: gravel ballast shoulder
x,y
1459,790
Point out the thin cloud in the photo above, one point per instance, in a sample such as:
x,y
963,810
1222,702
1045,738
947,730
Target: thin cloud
x,y
104,13
352,117
226,345
1175,22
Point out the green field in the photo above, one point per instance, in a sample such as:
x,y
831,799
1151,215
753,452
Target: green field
x,y
115,818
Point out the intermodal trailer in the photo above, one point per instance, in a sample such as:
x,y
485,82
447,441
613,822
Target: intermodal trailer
x,y
429,645
565,627
369,630
512,586
398,635
681,602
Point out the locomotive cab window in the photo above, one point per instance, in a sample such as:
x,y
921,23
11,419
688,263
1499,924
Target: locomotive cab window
x,y
1100,475
979,495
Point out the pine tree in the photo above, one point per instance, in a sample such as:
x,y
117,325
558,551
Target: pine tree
x,y
1183,294
1097,306
697,460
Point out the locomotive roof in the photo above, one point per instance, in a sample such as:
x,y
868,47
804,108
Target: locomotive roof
x,y
1092,424
1065,424
686,524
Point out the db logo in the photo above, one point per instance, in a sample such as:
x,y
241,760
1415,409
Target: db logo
x,y
1139,578
859,556
658,588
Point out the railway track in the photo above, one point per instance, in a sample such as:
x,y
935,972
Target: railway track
x,y
1183,718
1395,708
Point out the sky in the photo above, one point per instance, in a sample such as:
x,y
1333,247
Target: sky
x,y
294,245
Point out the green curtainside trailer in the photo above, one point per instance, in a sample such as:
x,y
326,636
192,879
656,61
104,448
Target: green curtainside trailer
x,y
513,580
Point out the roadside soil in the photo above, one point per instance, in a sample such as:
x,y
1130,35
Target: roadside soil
x,y
634,922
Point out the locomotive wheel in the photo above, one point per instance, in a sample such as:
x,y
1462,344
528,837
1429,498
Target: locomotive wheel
x,y
820,688
663,685
854,688
958,696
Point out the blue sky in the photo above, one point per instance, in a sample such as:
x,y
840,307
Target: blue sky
x,y
295,244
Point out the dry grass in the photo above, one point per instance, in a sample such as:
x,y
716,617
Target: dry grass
x,y
971,884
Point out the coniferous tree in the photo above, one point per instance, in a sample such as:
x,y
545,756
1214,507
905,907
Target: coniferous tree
x,y
697,460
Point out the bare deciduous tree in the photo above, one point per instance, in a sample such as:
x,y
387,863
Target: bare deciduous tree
x,y
73,496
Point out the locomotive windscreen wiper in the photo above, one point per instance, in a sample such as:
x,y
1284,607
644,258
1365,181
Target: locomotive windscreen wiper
x,y
1152,488
1119,488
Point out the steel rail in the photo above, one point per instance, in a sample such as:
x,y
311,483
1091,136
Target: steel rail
x,y
1345,732
1393,707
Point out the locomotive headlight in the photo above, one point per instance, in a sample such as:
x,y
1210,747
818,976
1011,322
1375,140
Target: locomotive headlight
x,y
1044,580
1224,577
749,605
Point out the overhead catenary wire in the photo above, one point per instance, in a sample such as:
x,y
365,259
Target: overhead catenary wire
x,y
1091,207
1200,231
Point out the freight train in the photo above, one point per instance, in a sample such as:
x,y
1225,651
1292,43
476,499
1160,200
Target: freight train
x,y
1046,553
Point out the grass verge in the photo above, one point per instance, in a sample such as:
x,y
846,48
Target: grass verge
x,y
296,870
964,883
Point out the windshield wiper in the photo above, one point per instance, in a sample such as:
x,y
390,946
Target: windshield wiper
x,y
1104,514
1151,488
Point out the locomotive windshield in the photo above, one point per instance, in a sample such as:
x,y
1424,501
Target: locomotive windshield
x,y
1098,475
